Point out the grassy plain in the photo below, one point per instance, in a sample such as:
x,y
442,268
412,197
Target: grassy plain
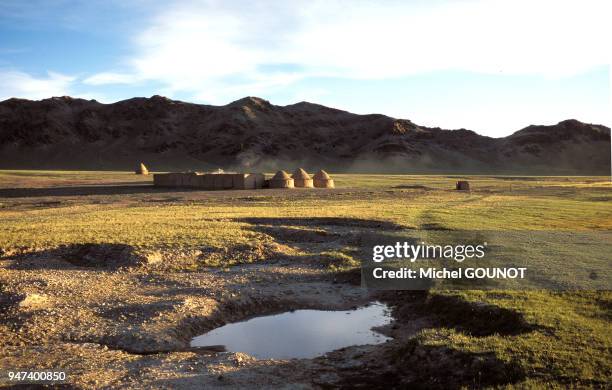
x,y
567,337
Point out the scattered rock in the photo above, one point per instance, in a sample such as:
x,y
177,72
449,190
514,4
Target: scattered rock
x,y
33,301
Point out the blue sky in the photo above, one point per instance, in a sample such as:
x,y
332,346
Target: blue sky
x,y
491,66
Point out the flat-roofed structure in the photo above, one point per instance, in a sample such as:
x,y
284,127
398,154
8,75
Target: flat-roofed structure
x,y
210,181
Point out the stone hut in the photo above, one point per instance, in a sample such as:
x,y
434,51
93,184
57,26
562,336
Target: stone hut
x,y
462,185
323,180
281,180
210,181
142,170
302,179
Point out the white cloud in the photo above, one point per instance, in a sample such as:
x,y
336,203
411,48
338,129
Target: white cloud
x,y
216,49
110,78
23,85
95,95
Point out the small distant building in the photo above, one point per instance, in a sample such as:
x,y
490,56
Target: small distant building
x,y
462,185
323,180
142,170
210,181
281,180
302,179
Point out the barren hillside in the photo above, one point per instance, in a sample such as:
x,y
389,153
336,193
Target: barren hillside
x,y
251,133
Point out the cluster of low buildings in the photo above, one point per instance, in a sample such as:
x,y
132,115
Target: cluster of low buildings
x,y
243,181
300,178
221,180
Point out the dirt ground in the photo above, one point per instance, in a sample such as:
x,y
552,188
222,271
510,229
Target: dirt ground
x,y
131,328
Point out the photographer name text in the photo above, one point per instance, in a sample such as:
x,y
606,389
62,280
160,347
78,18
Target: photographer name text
x,y
450,273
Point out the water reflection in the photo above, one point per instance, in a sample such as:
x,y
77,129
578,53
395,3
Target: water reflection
x,y
301,333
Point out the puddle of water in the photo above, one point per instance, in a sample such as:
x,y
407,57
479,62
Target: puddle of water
x,y
301,333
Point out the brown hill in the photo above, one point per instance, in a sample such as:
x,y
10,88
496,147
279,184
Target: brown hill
x,y
251,133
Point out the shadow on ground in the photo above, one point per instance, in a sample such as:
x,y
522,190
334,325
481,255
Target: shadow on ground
x,y
324,221
477,319
418,366
104,256
87,190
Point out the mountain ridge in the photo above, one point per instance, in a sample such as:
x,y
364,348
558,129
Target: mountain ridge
x,y
251,133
